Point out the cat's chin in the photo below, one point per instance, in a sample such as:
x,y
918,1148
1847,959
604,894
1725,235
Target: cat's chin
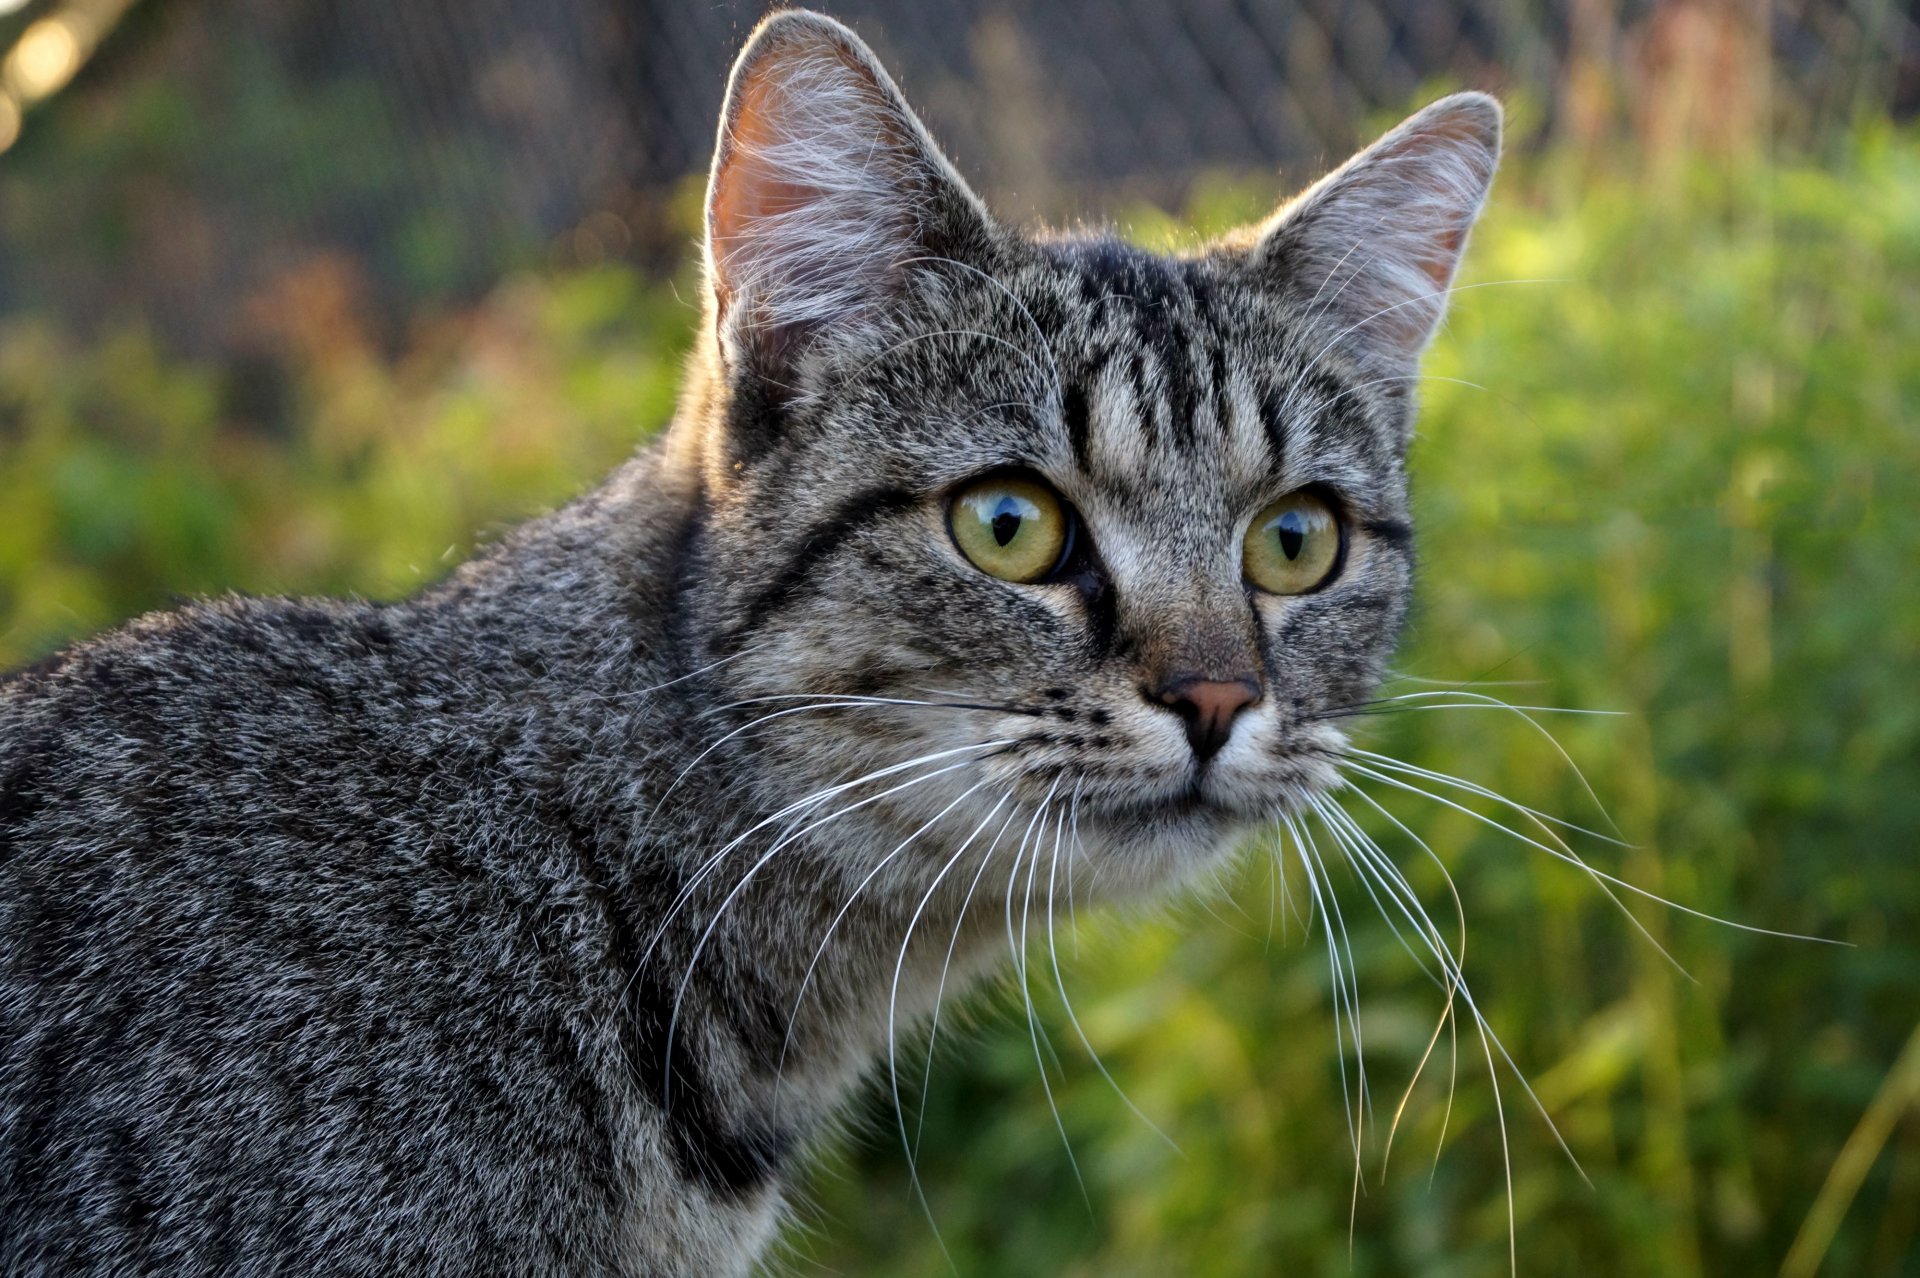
x,y
1145,845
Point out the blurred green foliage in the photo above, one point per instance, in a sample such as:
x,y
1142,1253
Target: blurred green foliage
x,y
1668,467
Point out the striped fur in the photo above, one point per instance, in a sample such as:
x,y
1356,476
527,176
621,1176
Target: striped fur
x,y
520,927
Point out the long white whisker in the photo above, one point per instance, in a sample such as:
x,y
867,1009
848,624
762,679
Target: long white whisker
x,y
1482,701
1075,850
1335,270
1399,676
807,978
1026,993
799,806
1343,839
1362,1102
691,674
1350,1104
1389,876
1053,953
1540,821
1286,406
747,727
1353,976
851,699
1323,405
1526,714
728,900
1473,787
1467,999
1417,300
939,993
1447,1017
1558,855
893,1004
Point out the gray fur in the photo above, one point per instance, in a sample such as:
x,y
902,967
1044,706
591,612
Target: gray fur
x,y
483,932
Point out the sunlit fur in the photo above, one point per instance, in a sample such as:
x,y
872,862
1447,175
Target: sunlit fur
x,y
541,923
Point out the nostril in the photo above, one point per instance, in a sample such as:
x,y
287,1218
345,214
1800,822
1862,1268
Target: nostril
x,y
1207,707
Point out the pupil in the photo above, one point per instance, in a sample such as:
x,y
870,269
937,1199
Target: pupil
x,y
1006,524
1293,534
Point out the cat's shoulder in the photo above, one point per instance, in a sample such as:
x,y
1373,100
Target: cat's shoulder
x,y
261,715
207,664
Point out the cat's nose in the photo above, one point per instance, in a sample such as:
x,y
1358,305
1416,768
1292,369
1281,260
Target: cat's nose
x,y
1207,707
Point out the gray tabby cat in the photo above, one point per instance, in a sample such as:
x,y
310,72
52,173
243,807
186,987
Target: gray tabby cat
x,y
539,924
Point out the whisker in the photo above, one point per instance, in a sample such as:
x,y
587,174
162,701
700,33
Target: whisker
x,y
1558,855
1075,849
1539,820
807,978
1472,787
1060,984
1361,1102
691,674
700,946
800,806
1323,405
1335,270
1416,300
1526,714
1447,1017
939,993
1026,989
856,699
893,1003
748,727
1378,706
1356,858
1369,860
1350,1104
1399,888
1398,677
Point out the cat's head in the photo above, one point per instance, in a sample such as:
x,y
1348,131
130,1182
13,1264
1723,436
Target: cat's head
x,y
1118,534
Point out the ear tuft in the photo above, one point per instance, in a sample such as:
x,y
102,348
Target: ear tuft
x,y
1374,244
824,185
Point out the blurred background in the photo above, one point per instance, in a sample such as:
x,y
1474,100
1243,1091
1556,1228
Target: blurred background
x,y
305,296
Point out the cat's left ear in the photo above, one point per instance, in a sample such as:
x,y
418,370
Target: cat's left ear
x,y
1373,246
825,191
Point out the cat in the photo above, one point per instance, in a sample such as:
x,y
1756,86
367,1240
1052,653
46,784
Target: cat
x,y
543,922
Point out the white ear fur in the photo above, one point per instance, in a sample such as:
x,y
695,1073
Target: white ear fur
x,y
1375,243
824,184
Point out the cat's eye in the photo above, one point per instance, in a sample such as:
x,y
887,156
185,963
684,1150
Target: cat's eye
x,y
1293,546
1010,527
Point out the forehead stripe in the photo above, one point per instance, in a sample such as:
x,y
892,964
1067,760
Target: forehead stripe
x,y
1273,403
1073,412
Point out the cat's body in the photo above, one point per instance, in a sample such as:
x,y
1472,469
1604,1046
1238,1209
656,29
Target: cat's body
x,y
502,930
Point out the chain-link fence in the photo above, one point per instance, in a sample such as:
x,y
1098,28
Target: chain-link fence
x,y
210,145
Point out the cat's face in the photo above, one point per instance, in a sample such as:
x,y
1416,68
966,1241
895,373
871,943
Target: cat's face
x,y
1069,536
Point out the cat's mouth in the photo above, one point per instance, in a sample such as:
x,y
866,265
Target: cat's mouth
x,y
1211,796
1184,803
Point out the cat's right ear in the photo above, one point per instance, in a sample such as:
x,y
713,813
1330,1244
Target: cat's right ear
x,y
825,190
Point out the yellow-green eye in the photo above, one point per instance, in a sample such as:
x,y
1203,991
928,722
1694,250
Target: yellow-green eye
x,y
1012,528
1293,545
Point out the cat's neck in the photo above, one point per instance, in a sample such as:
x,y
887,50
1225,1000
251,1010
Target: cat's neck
x,y
747,939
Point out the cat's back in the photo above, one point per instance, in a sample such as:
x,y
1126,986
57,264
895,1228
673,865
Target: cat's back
x,y
270,952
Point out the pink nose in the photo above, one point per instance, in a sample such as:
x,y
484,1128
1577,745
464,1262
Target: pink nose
x,y
1207,707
